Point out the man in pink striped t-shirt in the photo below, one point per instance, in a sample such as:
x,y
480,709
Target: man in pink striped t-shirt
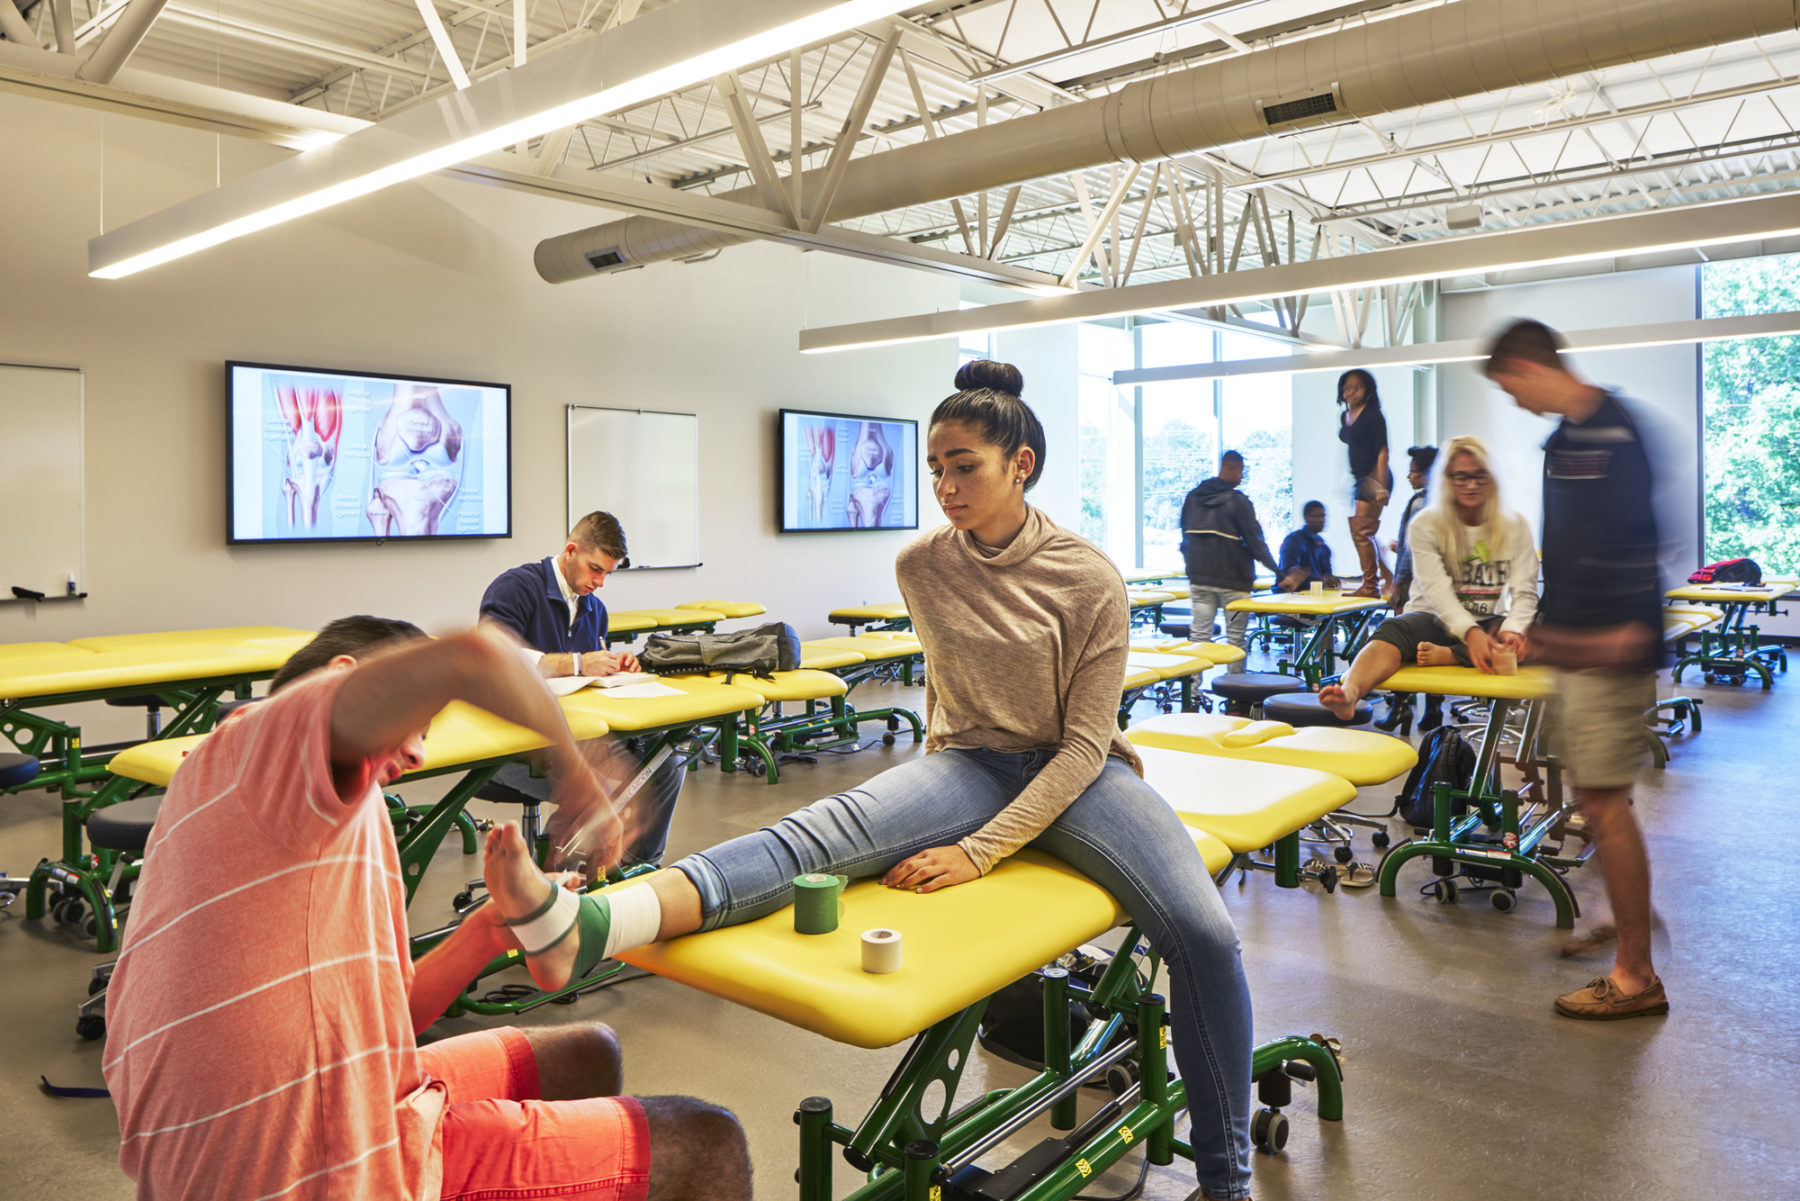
x,y
263,1015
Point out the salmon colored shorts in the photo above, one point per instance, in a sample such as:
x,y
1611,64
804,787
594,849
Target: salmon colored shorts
x,y
499,1140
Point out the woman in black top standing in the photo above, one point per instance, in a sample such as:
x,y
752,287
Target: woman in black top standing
x,y
1364,430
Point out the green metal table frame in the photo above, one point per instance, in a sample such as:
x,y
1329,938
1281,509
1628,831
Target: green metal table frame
x,y
911,1147
1318,655
1519,853
1735,648
824,724
702,625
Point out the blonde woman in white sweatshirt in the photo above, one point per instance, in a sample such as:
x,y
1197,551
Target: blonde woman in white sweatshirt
x,y
1475,571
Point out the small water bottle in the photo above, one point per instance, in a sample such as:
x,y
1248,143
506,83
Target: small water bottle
x,y
71,583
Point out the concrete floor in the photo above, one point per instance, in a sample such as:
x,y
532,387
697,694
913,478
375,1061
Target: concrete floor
x,y
1460,1081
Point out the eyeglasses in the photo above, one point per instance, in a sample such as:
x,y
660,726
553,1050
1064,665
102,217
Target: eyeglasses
x,y
1465,479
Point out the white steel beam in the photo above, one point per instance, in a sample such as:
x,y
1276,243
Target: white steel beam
x,y
13,25
1469,350
1199,16
126,34
440,37
62,18
1570,241
858,116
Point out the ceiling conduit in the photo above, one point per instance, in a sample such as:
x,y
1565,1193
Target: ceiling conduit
x,y
1460,50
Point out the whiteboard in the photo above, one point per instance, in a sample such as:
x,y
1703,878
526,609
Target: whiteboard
x,y
643,467
41,480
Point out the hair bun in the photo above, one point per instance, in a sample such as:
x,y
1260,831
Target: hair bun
x,y
985,373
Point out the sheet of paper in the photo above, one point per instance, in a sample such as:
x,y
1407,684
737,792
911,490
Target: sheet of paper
x,y
564,685
641,691
624,679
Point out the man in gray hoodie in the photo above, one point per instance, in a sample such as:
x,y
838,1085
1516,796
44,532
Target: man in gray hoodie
x,y
1222,541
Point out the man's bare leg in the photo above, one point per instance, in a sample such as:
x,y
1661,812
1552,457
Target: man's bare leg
x,y
576,1061
1625,866
1374,663
697,1151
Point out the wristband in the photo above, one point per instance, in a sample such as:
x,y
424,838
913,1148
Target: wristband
x,y
577,662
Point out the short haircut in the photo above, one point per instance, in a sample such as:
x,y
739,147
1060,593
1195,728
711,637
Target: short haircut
x,y
1310,505
988,400
602,532
1231,456
1525,341
1422,457
353,636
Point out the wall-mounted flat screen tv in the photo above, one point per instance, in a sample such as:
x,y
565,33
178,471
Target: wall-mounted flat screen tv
x,y
843,472
338,456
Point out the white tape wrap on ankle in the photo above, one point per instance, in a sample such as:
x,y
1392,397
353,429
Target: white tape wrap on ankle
x,y
636,916
550,927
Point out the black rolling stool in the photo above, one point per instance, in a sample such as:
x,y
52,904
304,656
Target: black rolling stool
x,y
152,706
16,771
1175,629
1299,709
1244,692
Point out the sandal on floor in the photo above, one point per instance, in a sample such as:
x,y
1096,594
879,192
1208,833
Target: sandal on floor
x,y
562,913
1593,940
1356,875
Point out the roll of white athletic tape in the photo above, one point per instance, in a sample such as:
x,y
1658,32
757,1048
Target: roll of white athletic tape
x,y
881,951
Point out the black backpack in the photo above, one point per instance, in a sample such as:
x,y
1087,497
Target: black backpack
x,y
770,647
1445,757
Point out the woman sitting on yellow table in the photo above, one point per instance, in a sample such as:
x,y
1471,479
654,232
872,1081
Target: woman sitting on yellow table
x,y
1474,593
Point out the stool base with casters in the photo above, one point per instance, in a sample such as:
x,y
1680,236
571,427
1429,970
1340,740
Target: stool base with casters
x,y
16,771
122,831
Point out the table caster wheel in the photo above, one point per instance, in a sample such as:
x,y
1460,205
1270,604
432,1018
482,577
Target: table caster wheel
x,y
1342,854
1121,1076
91,1026
887,740
462,901
1380,840
1444,891
70,911
1505,900
1269,1130
758,767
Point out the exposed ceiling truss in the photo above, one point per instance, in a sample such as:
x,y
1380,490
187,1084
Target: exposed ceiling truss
x,y
1697,128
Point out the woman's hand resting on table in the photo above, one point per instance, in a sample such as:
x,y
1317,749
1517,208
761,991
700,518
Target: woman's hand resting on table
x,y
932,869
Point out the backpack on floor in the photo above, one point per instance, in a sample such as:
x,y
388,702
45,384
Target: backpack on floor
x,y
771,647
1013,1025
1729,571
1445,757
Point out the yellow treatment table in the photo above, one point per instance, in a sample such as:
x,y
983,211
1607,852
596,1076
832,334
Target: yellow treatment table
x,y
728,609
960,946
1180,670
827,722
216,636
887,615
1217,653
627,624
1334,610
1734,649
1361,757
461,738
892,657
1491,846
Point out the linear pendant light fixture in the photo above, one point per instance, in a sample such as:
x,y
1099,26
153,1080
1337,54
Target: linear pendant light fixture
x,y
1772,215
676,46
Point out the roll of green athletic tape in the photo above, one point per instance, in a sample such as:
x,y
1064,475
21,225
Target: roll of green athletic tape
x,y
816,903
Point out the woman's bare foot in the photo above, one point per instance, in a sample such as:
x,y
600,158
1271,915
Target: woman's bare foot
x,y
1433,655
1341,703
519,889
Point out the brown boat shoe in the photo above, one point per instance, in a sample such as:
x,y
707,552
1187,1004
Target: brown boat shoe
x,y
1601,1001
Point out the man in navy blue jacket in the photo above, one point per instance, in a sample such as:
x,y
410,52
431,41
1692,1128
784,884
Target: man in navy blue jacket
x,y
550,606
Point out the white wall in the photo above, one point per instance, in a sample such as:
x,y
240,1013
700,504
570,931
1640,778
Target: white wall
x,y
436,279
1664,380
1047,358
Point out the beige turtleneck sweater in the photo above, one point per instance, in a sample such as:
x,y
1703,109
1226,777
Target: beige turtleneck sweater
x,y
1024,650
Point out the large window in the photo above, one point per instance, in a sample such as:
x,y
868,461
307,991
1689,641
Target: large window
x,y
1143,449
1752,412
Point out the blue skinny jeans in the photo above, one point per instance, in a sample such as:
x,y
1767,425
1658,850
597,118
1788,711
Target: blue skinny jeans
x,y
1119,833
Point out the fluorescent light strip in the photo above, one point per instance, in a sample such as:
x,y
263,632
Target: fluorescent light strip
x,y
1636,233
1471,350
770,43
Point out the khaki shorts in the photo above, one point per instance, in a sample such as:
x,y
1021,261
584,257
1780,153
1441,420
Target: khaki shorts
x,y
1599,731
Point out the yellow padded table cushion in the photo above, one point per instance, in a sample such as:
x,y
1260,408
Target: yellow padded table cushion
x,y
664,617
1140,677
41,650
217,636
1530,684
1244,805
728,608
58,674
802,685
1216,653
1168,667
1360,756
812,659
869,648
1713,594
958,945
702,699
893,635
1325,604
460,734
629,623
886,611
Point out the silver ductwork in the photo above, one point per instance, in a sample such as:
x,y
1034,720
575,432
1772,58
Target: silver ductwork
x,y
1458,51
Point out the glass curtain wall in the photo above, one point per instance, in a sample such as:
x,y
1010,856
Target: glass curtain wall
x,y
1752,416
1143,449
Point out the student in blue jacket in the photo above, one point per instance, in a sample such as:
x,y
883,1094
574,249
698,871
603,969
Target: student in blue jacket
x,y
551,607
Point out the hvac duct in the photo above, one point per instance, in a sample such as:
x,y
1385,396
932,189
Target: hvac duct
x,y
1457,51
